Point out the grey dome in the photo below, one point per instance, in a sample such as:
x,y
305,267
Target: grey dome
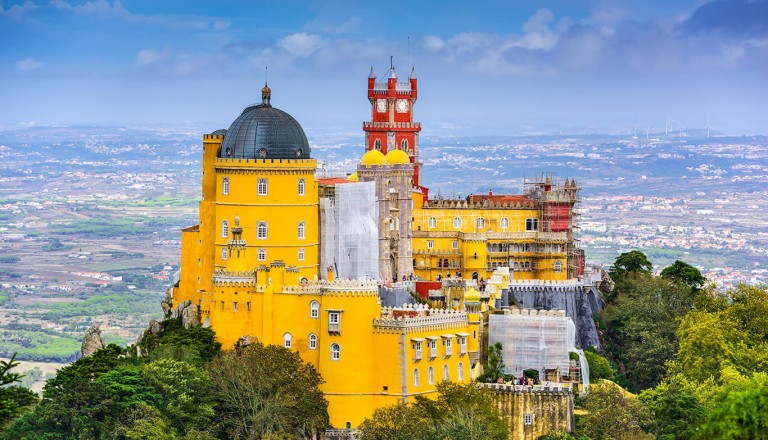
x,y
265,132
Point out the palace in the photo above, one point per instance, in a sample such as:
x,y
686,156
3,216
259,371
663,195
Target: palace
x,y
319,265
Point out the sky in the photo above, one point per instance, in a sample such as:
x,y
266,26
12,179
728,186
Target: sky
x,y
505,67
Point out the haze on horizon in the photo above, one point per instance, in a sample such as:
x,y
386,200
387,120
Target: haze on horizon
x,y
486,67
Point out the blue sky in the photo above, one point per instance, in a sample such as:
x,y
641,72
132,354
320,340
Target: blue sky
x,y
484,67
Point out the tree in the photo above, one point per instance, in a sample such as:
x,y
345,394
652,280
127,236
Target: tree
x,y
681,272
739,411
632,261
262,391
677,411
461,411
14,400
599,367
494,369
611,414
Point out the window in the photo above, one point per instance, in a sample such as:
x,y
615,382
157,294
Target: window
x,y
417,350
335,352
262,255
301,254
531,224
261,230
222,306
455,244
287,340
463,345
504,223
248,306
430,244
457,222
558,266
224,229
377,144
448,342
432,222
312,341
431,375
445,373
262,187
461,372
528,419
334,322
415,377
225,186
404,144
302,229
302,185
314,309
433,348
223,253
480,223
234,306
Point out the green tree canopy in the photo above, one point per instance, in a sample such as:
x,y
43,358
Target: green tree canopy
x,y
611,414
682,272
632,261
14,400
263,391
739,412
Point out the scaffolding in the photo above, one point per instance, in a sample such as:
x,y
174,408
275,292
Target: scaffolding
x,y
560,208
539,340
349,235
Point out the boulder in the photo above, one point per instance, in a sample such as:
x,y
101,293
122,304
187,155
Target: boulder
x,y
606,284
244,341
189,316
92,341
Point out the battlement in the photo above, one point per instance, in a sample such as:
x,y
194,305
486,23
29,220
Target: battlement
x,y
552,388
485,204
419,317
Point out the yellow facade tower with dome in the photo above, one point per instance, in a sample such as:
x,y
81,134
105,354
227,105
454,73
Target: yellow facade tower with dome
x,y
251,266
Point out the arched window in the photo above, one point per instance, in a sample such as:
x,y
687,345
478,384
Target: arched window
x,y
431,375
301,230
480,223
224,229
261,230
301,254
287,340
262,187
558,266
262,254
457,222
223,253
504,223
312,341
432,222
404,145
225,186
335,352
445,373
415,377
314,309
377,144
302,185
461,372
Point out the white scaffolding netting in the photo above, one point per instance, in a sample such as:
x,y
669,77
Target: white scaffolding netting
x,y
537,340
349,235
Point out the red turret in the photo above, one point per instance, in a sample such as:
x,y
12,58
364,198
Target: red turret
x,y
391,125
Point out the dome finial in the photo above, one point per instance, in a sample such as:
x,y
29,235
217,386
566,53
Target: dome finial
x,y
266,94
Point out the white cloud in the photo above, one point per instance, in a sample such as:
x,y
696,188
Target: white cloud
x,y
27,124
221,25
91,7
301,44
28,64
149,56
17,11
433,43
539,22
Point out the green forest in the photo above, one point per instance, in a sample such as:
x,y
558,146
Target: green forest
x,y
681,360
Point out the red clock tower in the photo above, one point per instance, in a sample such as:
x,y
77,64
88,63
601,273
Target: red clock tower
x,y
391,126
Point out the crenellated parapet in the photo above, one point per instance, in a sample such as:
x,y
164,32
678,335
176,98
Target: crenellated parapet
x,y
485,204
223,277
565,389
413,318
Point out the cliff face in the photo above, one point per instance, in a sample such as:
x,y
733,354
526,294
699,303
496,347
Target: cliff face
x,y
579,303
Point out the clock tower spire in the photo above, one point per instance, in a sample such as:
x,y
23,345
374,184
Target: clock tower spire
x,y
391,126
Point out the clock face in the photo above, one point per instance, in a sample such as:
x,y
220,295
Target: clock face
x,y
381,105
402,105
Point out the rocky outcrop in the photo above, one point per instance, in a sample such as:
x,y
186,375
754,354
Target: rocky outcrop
x,y
244,341
606,284
167,303
92,341
188,313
